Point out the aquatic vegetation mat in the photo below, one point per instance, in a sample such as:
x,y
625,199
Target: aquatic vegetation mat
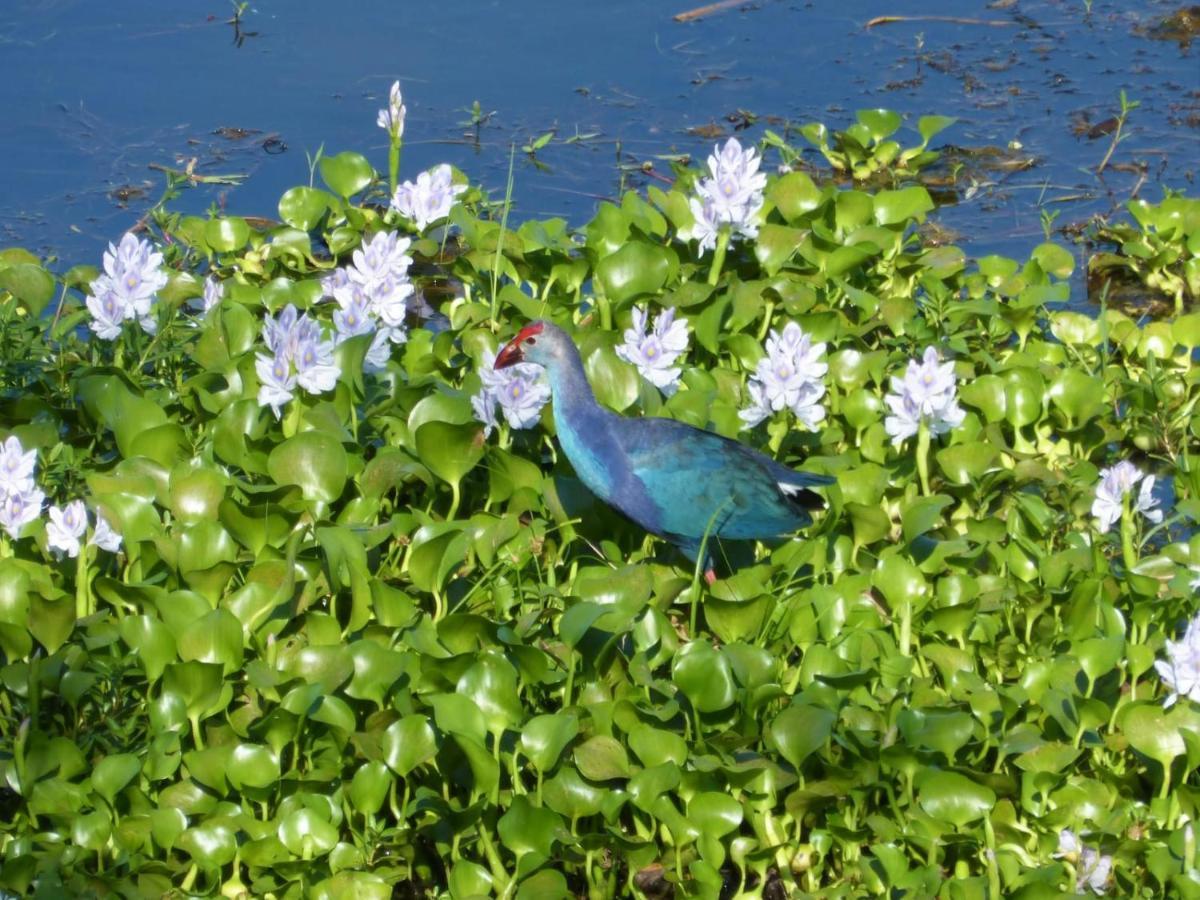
x,y
299,597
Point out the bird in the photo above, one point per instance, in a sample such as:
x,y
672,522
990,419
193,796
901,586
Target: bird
x,y
682,483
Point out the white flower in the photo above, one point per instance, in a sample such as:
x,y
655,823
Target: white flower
x,y
213,292
520,389
731,195
108,312
706,225
353,319
276,381
655,353
379,353
16,466
1093,870
103,535
391,119
429,198
316,371
390,300
1180,671
1068,843
133,276
19,508
67,527
791,376
928,392
1115,483
484,405
791,366
382,256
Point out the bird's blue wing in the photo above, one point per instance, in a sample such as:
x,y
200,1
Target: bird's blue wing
x,y
700,481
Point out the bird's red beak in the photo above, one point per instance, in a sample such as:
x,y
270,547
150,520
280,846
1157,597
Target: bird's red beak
x,y
511,354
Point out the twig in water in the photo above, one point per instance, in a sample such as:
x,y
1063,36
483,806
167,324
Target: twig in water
x,y
954,20
709,9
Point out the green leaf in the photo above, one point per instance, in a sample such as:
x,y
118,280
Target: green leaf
x,y
895,207
544,737
346,173
113,773
314,461
1150,732
492,685
636,268
303,207
952,797
602,758
450,451
32,285
225,235
614,381
216,638
408,743
799,731
525,828
307,834
705,677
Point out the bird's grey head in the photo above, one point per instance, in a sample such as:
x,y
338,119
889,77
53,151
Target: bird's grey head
x,y
538,342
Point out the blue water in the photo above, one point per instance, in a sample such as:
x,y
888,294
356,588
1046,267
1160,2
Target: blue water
x,y
94,93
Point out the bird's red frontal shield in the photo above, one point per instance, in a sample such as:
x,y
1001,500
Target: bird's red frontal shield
x,y
511,353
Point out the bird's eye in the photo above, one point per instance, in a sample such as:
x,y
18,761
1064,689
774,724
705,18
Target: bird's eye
x,y
529,342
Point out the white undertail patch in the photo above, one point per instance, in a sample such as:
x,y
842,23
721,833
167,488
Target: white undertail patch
x,y
790,490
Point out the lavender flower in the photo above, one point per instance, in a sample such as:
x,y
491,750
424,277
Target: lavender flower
x,y
655,353
520,390
789,377
391,119
133,276
484,405
67,526
1115,483
277,384
213,292
299,357
707,225
103,535
1092,868
1180,671
16,466
19,508
379,353
732,194
927,393
429,198
316,371
380,257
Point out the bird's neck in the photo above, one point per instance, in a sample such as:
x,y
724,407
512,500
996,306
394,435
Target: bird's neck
x,y
584,431
570,388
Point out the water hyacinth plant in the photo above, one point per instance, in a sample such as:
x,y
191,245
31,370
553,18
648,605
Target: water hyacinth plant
x,y
429,199
655,351
790,377
345,644
132,278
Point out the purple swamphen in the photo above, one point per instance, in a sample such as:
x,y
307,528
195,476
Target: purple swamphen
x,y
674,480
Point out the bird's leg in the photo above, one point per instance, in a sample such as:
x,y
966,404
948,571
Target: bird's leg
x,y
710,575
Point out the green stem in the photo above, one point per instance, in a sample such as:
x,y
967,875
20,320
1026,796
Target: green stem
x,y
83,602
718,260
765,328
393,166
923,456
1128,554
